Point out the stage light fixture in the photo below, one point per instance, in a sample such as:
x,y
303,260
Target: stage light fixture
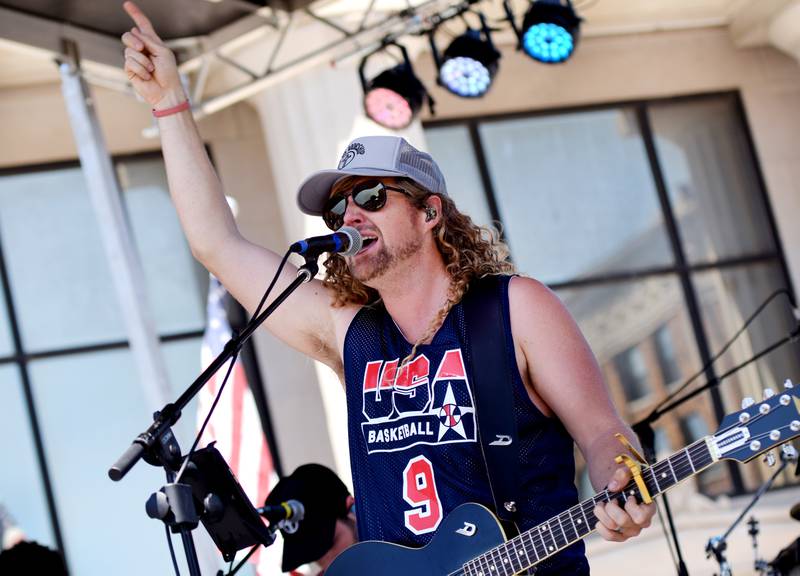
x,y
394,97
550,30
469,64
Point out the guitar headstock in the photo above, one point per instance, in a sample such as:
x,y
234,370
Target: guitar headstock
x,y
760,426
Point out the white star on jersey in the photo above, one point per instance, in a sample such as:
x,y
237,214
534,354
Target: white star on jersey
x,y
450,399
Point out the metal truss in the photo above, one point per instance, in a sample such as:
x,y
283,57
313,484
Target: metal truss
x,y
281,62
329,40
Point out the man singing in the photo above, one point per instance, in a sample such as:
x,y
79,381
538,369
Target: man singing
x,y
389,320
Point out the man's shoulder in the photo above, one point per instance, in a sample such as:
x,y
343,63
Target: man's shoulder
x,y
529,298
529,290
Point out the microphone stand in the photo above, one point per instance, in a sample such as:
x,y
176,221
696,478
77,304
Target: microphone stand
x,y
157,445
761,566
717,544
647,437
645,433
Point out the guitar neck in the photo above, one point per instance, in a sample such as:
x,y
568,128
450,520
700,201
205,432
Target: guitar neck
x,y
562,530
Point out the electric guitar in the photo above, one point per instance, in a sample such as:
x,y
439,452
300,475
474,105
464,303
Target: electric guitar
x,y
471,542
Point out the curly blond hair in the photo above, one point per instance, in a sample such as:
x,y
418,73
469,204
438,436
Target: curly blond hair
x,y
469,251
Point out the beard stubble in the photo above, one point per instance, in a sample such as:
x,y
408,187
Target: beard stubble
x,y
384,260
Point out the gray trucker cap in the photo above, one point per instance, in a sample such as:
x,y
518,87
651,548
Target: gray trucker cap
x,y
382,156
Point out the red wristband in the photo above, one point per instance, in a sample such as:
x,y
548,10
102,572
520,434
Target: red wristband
x,y
174,110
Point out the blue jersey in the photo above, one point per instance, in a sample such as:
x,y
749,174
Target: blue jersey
x,y
414,447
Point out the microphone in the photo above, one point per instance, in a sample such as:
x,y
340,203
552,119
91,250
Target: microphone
x,y
291,510
347,241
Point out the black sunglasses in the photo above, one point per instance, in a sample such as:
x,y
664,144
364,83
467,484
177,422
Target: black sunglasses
x,y
369,195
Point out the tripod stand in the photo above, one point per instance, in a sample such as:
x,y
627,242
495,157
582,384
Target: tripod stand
x,y
717,545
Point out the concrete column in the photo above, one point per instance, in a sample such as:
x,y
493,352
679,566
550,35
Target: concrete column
x,y
784,30
123,260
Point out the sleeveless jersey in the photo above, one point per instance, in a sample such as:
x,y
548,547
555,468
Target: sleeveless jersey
x,y
414,448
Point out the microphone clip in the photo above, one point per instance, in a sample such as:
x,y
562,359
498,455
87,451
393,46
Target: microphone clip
x,y
309,269
289,526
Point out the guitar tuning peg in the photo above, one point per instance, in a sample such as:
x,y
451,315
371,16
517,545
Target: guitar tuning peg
x,y
747,401
768,393
769,459
789,452
788,384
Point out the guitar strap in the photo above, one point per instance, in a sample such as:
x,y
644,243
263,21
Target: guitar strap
x,y
494,395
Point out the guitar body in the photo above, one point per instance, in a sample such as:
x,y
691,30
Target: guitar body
x,y
467,531
471,531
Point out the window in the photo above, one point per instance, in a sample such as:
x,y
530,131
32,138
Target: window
x,y
65,362
22,489
663,447
665,351
609,206
632,373
651,223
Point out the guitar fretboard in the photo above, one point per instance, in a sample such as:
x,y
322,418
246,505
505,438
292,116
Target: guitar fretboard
x,y
555,534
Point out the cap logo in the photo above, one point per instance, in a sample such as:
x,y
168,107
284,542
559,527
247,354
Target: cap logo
x,y
349,155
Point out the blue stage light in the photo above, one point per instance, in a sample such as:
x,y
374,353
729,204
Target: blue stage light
x,y
550,31
548,42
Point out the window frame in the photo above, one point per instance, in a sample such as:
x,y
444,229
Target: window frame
x,y
681,269
21,358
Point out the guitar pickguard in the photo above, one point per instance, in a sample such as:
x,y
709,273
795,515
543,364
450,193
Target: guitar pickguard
x,y
466,532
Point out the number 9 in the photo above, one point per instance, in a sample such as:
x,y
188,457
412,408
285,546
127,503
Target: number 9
x,y
419,490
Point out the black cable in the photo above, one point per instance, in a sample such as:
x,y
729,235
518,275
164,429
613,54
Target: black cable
x,y
724,349
231,363
172,551
232,571
272,284
794,335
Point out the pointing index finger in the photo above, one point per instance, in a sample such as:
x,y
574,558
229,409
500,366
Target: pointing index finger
x,y
142,21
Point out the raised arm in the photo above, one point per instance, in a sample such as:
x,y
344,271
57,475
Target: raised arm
x,y
243,267
560,369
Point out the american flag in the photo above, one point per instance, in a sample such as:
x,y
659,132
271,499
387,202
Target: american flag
x,y
235,425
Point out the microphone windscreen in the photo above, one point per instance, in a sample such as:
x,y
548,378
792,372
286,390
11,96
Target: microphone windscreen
x,y
355,241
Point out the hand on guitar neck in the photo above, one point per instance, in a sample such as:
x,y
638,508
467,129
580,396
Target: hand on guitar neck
x,y
617,524
608,470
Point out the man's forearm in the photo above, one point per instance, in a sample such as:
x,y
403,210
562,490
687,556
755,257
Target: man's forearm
x,y
194,186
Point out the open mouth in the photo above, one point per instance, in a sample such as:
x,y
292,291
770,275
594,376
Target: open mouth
x,y
367,241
